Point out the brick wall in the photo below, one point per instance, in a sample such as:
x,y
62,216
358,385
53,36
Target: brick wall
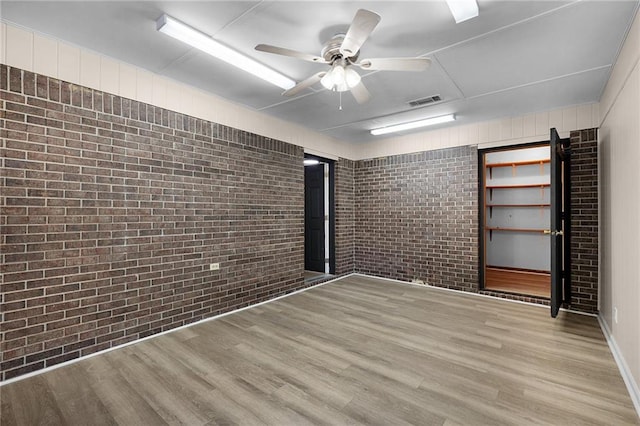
x,y
584,220
345,216
112,211
417,217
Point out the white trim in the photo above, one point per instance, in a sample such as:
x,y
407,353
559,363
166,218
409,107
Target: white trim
x,y
321,154
133,342
632,386
472,294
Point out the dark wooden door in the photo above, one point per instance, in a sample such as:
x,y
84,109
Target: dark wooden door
x,y
314,254
560,230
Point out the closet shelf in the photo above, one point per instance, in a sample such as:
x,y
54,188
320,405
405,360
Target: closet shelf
x,y
532,230
519,205
518,163
524,185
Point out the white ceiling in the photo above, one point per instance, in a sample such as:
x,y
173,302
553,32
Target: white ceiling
x,y
516,57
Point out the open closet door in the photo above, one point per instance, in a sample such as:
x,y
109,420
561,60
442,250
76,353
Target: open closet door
x,y
560,232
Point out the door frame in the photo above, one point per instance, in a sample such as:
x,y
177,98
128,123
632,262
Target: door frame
x,y
481,210
332,208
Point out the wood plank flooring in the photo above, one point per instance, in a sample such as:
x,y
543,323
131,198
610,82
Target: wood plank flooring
x,y
521,282
355,351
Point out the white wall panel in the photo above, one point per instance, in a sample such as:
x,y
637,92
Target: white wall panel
x,y
144,86
3,42
19,50
529,125
542,123
109,75
555,119
68,63
584,116
128,80
570,118
45,56
159,90
90,69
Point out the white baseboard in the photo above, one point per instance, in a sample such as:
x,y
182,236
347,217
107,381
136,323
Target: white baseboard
x,y
629,381
153,336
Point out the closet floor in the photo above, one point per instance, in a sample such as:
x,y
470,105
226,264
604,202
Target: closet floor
x,y
516,281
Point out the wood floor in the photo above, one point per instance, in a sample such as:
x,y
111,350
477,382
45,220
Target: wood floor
x,y
355,351
521,282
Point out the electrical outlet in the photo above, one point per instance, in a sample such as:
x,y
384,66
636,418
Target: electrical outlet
x,y
214,266
615,315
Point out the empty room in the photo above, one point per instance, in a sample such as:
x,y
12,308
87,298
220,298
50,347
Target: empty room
x,y
320,212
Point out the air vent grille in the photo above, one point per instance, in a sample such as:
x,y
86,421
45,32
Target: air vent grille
x,y
425,101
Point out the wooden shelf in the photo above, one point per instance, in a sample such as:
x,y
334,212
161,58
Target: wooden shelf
x,y
518,163
524,185
531,230
491,229
519,205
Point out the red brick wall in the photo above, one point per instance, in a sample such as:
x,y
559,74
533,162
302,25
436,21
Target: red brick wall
x,y
112,211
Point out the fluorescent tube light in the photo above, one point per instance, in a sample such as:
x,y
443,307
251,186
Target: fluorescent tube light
x,y
413,124
310,162
176,29
463,9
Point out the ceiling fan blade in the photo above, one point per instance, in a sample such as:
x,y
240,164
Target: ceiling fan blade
x,y
363,24
360,93
288,52
395,64
304,84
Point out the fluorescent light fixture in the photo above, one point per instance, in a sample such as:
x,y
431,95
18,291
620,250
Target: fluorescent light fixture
x,y
176,29
310,162
413,124
463,9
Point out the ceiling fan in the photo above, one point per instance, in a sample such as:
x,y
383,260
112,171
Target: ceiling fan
x,y
341,53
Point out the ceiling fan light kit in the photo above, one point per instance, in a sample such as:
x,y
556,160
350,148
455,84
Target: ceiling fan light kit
x,y
340,78
342,52
463,10
186,34
414,124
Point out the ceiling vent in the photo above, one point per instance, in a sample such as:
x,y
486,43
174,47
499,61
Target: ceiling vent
x,y
425,101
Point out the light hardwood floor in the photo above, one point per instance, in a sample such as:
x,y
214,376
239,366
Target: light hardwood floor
x,y
355,351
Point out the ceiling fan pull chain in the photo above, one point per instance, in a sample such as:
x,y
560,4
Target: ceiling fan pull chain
x,y
340,100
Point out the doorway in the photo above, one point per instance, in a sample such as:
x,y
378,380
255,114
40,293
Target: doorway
x,y
319,220
516,205
525,217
